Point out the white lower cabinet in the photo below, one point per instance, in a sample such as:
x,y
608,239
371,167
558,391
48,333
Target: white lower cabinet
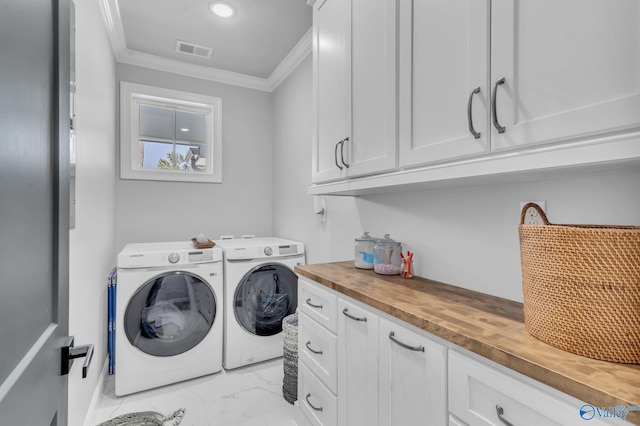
x,y
317,349
317,355
360,366
357,365
318,303
482,395
413,377
316,401
388,373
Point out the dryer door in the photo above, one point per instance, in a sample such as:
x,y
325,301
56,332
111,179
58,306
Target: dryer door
x,y
264,296
170,314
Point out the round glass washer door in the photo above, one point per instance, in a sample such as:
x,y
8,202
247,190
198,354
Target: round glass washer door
x,y
170,314
265,295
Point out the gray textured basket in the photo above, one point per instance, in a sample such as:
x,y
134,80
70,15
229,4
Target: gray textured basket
x,y
290,358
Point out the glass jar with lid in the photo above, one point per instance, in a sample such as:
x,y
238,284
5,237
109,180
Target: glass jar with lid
x,y
363,251
386,256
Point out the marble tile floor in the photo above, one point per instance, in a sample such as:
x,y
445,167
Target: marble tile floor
x,y
247,396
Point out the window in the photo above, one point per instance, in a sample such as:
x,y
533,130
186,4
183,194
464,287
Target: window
x,y
169,135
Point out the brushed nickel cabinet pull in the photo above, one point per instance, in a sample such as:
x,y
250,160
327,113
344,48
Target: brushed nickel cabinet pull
x,y
342,152
500,412
308,345
404,345
346,313
308,302
476,135
335,154
497,125
310,404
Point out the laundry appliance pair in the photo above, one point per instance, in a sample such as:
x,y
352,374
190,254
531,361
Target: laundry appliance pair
x,y
181,311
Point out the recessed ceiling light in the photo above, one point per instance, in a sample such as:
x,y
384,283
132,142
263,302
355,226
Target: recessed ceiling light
x,y
184,129
222,9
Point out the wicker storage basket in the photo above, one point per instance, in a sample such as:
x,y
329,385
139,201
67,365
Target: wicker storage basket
x,y
290,358
581,287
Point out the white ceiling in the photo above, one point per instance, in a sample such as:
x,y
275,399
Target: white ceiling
x,y
248,48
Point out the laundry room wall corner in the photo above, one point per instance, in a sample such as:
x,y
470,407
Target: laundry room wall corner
x,y
91,242
293,215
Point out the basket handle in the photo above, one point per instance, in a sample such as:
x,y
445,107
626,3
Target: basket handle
x,y
538,209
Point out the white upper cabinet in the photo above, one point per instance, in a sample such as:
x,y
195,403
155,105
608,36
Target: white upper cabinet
x,y
373,142
330,86
571,69
444,96
560,71
418,91
355,125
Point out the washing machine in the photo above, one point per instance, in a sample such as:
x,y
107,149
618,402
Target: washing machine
x,y
260,289
169,314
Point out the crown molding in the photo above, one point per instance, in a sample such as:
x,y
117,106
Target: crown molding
x,y
291,61
133,57
115,29
113,22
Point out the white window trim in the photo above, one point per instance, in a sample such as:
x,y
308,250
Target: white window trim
x,y
130,94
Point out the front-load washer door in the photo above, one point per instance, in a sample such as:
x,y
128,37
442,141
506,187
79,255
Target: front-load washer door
x,y
170,314
264,296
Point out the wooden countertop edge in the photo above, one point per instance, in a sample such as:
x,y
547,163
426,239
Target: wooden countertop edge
x,y
556,369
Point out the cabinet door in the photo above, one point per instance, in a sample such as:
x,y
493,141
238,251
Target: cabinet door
x,y
444,54
331,85
413,378
373,141
571,69
357,365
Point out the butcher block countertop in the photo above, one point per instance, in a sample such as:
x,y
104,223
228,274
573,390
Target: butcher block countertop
x,y
487,325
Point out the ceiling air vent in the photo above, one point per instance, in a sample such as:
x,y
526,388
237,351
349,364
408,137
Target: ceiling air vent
x,y
193,49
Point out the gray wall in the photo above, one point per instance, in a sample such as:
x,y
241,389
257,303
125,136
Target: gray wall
x,y
151,211
465,236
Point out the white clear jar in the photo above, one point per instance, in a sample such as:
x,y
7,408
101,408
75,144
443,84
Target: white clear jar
x,y
363,251
386,256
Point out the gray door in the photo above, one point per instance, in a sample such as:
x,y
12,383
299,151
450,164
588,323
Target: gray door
x,y
34,210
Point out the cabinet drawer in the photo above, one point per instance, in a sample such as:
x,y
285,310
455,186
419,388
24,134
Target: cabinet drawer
x,y
317,303
316,401
317,347
477,392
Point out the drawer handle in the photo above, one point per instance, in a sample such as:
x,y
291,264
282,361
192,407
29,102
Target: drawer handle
x,y
500,412
310,404
346,313
312,350
494,107
308,302
476,135
404,345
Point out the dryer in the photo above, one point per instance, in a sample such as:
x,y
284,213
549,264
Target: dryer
x,y
169,314
260,289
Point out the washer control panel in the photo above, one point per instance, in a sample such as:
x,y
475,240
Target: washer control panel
x,y
164,254
268,251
